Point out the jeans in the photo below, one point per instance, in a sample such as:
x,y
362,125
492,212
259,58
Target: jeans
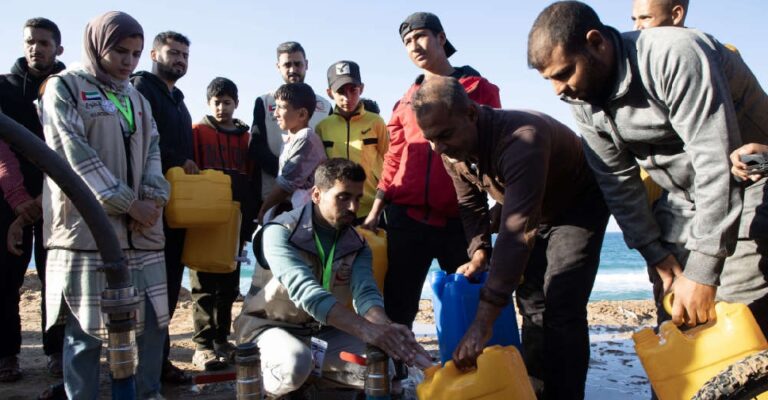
x,y
82,354
553,300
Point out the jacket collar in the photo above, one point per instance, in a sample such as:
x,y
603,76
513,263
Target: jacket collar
x,y
124,90
359,112
29,83
240,126
176,94
303,238
623,70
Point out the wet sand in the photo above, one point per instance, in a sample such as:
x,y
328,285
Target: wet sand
x,y
615,372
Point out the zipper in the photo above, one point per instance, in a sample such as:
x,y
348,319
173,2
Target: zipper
x,y
426,184
348,127
653,158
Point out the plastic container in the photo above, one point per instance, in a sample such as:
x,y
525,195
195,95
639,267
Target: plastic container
x,y
652,189
214,248
679,363
500,375
198,200
455,301
378,244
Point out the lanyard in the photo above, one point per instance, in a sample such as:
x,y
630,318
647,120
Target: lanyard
x,y
126,111
327,261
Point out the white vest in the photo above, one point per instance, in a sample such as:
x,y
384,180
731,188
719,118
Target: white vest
x,y
275,134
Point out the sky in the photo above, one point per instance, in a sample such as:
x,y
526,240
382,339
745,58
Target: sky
x,y
237,40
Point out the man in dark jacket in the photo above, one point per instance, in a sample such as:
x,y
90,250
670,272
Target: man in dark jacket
x,y
21,183
170,53
553,221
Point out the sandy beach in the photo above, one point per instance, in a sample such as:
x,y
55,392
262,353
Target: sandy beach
x,y
615,371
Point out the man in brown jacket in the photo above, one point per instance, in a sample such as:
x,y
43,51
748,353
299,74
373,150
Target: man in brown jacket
x,y
552,226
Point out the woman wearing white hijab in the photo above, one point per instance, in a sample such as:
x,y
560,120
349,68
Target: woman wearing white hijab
x,y
96,121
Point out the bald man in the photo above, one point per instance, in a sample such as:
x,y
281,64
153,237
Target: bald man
x,y
653,13
553,220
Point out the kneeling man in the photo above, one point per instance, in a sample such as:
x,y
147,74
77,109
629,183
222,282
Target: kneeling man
x,y
320,268
552,225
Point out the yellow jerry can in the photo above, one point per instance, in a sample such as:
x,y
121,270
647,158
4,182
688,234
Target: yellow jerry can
x,y
678,363
198,200
378,244
214,248
652,189
500,375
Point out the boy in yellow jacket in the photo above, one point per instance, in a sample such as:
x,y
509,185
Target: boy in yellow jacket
x,y
351,131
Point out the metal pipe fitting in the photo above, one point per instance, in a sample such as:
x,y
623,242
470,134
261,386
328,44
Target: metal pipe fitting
x,y
119,300
377,380
248,360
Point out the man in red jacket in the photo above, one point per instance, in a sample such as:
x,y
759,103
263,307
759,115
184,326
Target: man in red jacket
x,y
422,214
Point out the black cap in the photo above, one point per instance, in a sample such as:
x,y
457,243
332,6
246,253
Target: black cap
x,y
342,72
425,20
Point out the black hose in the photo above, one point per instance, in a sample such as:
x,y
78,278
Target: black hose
x,y
38,153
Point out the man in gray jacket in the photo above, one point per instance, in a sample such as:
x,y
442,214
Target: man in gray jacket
x,y
675,102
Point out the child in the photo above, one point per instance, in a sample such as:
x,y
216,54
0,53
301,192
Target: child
x,y
352,131
221,143
96,121
302,151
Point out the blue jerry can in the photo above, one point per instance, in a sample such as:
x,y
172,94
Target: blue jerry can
x,y
454,302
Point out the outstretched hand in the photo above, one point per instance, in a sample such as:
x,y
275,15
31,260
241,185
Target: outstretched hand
x,y
398,342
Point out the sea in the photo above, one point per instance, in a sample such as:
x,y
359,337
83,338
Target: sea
x,y
621,276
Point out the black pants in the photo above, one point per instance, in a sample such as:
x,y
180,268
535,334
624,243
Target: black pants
x,y
213,295
12,270
411,247
174,271
553,300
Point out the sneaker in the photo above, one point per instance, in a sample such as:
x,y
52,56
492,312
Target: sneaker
x,y
226,351
208,360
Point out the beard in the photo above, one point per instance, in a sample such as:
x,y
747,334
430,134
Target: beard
x,y
169,73
601,79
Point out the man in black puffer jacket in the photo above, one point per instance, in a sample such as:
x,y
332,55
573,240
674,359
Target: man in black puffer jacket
x,y
21,183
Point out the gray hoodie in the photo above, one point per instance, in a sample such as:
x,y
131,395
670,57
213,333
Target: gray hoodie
x,y
681,103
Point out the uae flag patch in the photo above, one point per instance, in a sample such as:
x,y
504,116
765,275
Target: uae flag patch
x,y
86,96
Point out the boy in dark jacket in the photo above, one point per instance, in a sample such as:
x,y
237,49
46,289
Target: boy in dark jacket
x,y
220,143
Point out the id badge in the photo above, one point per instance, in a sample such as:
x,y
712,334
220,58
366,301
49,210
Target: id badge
x,y
318,348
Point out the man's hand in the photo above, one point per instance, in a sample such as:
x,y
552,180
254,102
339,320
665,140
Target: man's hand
x,y
190,168
477,264
667,270
30,211
739,168
472,345
396,340
479,333
371,221
693,303
144,212
15,236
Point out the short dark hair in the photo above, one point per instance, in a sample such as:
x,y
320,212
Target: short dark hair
x,y
164,37
47,24
298,95
440,92
337,169
222,87
565,24
290,47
